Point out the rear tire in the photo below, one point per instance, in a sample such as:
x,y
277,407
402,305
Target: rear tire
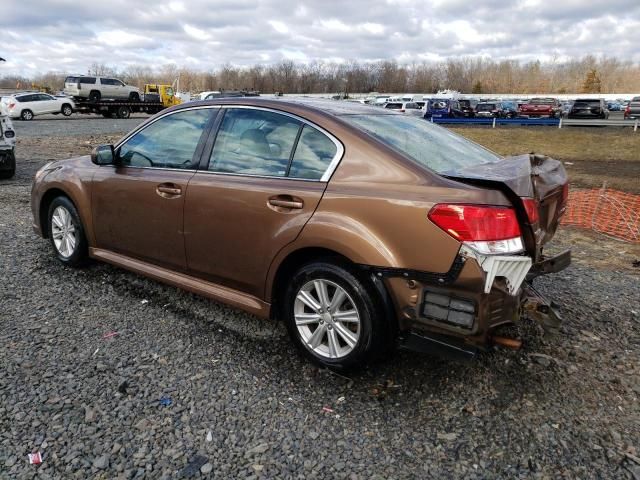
x,y
66,232
334,317
26,115
11,171
94,96
67,110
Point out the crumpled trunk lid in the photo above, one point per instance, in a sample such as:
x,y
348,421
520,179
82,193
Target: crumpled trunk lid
x,y
532,176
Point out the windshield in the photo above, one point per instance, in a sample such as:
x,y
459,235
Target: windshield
x,y
427,144
438,104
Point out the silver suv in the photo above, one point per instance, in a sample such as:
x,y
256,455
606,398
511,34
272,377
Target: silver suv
x,y
99,88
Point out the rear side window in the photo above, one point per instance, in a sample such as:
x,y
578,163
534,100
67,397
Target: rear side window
x,y
169,142
27,98
314,154
89,80
254,142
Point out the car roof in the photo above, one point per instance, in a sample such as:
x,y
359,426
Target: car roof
x,y
334,108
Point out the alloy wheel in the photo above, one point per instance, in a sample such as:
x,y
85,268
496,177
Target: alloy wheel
x,y
327,319
63,232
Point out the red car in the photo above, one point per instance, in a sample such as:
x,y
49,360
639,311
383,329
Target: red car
x,y
541,107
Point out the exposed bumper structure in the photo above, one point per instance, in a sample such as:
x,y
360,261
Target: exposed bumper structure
x,y
457,311
513,268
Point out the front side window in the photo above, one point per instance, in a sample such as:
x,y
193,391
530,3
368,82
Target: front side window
x,y
254,142
169,142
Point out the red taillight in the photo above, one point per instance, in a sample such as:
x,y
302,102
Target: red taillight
x,y
11,105
531,207
474,223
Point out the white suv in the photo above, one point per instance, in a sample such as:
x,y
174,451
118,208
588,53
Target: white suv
x,y
99,88
28,105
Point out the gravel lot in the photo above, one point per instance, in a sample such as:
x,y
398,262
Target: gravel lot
x,y
110,375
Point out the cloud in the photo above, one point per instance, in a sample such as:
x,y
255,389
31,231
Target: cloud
x,y
206,34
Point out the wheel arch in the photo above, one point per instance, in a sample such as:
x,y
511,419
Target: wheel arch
x,y
45,202
301,256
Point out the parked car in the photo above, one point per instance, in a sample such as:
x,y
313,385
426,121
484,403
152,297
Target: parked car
x,y
632,110
444,108
360,228
27,105
565,107
495,110
404,107
95,89
7,146
589,108
467,107
541,107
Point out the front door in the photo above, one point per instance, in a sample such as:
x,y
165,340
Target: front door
x,y
263,181
138,204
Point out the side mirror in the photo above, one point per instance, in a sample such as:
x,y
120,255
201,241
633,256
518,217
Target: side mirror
x,y
103,155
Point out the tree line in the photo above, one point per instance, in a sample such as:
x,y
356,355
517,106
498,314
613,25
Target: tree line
x,y
467,75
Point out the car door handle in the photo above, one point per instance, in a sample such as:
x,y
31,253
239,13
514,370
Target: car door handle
x,y
286,201
168,190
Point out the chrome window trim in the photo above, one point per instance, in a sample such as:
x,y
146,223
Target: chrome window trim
x,y
325,177
330,168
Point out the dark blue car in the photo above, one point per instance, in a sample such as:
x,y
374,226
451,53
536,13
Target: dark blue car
x,y
443,108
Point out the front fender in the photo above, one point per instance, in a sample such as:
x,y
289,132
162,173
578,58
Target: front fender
x,y
71,179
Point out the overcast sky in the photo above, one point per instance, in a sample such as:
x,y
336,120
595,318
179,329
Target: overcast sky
x,y
43,35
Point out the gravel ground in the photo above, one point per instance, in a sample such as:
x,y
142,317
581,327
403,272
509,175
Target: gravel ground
x,y
77,124
111,375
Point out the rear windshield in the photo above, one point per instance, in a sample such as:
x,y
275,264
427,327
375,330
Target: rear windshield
x,y
71,80
394,106
485,107
427,144
586,103
465,103
542,101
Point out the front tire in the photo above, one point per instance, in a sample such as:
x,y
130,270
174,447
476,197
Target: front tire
x,y
66,232
134,97
67,110
334,317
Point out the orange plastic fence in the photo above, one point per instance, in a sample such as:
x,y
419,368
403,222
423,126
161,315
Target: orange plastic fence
x,y
606,211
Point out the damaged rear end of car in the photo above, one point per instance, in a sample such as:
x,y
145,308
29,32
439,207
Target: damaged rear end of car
x,y
508,210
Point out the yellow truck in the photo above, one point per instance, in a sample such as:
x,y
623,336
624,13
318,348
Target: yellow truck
x,y
166,94
156,97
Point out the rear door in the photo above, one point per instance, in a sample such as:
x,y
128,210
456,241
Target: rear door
x,y
138,204
260,183
50,104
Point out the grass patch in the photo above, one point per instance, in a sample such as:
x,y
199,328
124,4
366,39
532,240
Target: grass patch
x,y
594,155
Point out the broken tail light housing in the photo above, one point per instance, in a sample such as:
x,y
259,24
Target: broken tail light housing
x,y
531,207
488,229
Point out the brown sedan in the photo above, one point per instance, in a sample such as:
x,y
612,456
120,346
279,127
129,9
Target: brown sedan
x,y
361,228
